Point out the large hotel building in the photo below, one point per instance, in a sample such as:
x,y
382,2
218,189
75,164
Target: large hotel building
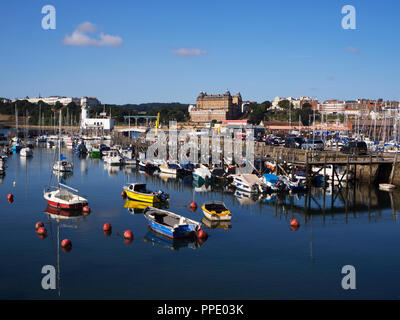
x,y
217,107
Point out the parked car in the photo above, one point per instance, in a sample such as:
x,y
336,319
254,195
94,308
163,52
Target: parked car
x,y
355,147
293,142
313,144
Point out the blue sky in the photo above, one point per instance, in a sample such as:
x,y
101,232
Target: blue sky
x,y
171,50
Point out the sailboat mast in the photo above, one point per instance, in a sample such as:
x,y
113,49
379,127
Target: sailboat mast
x,y
59,146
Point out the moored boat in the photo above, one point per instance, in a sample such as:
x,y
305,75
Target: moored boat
x,y
216,210
171,224
26,152
139,192
386,186
63,166
171,168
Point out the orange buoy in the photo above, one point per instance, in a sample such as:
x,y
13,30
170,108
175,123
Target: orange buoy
x,y
123,194
201,234
66,243
10,198
294,223
86,209
107,227
39,224
41,230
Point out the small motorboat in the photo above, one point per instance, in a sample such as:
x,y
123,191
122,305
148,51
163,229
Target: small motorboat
x,y
63,166
202,174
386,186
216,210
249,183
171,224
139,192
95,152
171,168
147,166
26,152
113,158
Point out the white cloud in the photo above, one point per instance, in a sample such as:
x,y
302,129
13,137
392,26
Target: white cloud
x,y
80,37
189,52
87,27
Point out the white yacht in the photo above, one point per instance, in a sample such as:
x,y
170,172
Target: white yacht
x,y
113,158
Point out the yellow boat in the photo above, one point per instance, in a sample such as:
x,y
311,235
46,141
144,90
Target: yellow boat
x,y
216,211
138,192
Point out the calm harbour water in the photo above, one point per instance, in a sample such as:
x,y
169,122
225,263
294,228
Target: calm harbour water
x,y
258,257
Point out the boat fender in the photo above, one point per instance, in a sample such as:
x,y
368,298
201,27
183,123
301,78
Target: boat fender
x,y
86,209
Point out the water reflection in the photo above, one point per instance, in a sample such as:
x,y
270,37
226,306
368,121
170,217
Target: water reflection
x,y
172,244
62,219
216,224
137,207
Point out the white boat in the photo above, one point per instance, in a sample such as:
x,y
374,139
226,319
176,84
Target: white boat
x,y
2,166
113,158
216,211
386,186
63,166
202,174
171,168
249,183
340,174
62,196
26,152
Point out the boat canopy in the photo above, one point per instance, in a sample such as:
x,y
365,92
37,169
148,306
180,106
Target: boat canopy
x,y
139,187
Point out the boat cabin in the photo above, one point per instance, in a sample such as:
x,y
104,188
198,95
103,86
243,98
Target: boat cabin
x,y
138,187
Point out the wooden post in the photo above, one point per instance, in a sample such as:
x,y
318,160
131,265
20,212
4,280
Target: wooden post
x,y
324,173
370,169
393,169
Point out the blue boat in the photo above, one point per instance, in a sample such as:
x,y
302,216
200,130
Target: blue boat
x,y
170,224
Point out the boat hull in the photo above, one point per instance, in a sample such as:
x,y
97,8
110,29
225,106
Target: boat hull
x,y
136,196
186,231
55,202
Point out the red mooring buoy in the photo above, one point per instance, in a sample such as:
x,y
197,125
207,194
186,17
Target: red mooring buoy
x,y
66,243
193,205
201,234
128,234
39,225
41,230
10,197
294,223
107,227
123,194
